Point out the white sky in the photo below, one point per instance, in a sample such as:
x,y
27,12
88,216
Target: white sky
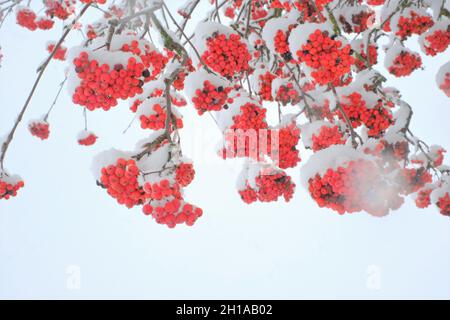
x,y
63,222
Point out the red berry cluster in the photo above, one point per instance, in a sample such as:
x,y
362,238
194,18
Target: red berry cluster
x,y
149,57
228,56
167,205
437,42
282,45
423,198
414,24
8,190
251,116
243,137
211,98
286,94
412,180
286,154
397,151
121,182
60,9
405,63
39,129
377,119
60,53
359,22
269,187
354,106
327,136
101,86
157,120
444,204
265,86
89,140
329,58
28,19
184,174
312,10
355,187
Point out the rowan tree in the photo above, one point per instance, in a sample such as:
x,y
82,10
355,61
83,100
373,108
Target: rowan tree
x,y
321,64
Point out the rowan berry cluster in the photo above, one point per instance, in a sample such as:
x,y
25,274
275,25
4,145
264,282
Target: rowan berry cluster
x,y
412,180
359,22
157,119
286,94
227,55
121,182
437,42
28,19
270,185
405,63
265,86
286,154
327,136
355,187
167,206
39,129
282,45
149,57
377,119
60,53
101,86
328,58
444,204
184,174
423,198
413,24
211,98
60,9
9,189
87,139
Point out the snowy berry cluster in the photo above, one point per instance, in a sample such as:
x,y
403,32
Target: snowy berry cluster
x,y
329,59
59,9
9,187
39,129
86,138
156,120
27,18
327,136
405,63
101,86
355,186
121,182
60,53
268,186
165,201
227,55
413,24
211,98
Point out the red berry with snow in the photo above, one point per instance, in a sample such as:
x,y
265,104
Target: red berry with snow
x,y
39,129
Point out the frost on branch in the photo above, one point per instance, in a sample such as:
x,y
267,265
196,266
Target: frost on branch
x,y
284,81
